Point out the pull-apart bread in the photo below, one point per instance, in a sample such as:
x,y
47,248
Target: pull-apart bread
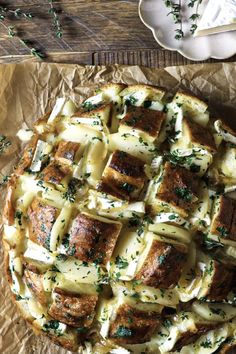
x,y
120,224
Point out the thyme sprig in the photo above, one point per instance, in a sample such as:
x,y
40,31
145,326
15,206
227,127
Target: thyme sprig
x,y
175,12
16,12
11,31
195,16
55,19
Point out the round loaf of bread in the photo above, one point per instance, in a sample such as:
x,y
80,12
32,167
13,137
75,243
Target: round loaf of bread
x,y
120,224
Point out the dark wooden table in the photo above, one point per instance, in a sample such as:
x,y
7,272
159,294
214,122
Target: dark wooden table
x,y
94,32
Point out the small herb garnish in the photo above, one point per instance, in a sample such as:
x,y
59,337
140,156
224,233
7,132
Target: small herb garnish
x,y
135,220
4,143
161,259
131,101
53,324
73,186
223,231
127,187
184,193
88,106
123,331
18,216
121,262
55,19
206,344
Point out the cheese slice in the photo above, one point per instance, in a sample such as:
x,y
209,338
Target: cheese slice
x,y
219,16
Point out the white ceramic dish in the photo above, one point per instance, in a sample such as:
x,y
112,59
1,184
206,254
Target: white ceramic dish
x,y
153,14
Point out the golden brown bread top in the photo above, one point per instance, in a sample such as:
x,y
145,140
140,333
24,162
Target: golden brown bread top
x,y
34,281
199,135
41,219
27,156
191,336
124,176
222,281
66,152
54,172
92,240
133,326
146,120
163,265
224,220
73,310
178,188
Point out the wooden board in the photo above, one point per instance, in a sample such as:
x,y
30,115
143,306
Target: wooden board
x,y
94,32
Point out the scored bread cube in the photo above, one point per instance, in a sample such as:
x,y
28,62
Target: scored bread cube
x,y
28,155
191,327
34,281
178,189
126,320
55,173
42,217
92,239
75,310
217,281
66,152
101,112
148,122
192,107
124,176
163,264
133,325
224,218
139,94
198,136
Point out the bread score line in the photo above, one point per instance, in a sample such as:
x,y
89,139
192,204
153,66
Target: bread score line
x,y
119,224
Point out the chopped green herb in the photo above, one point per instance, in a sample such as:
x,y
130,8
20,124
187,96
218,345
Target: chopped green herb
x,y
81,330
161,259
206,344
142,142
184,193
73,186
135,220
61,257
18,216
121,262
147,104
172,217
96,138
88,106
123,331
53,324
99,288
218,311
72,251
167,323
127,187
131,101
223,231
4,143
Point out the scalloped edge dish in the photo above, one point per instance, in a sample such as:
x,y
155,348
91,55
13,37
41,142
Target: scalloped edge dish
x,y
217,46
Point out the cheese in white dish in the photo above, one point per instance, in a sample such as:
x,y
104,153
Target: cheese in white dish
x,y
219,16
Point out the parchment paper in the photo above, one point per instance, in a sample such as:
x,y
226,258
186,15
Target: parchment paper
x,y
28,90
